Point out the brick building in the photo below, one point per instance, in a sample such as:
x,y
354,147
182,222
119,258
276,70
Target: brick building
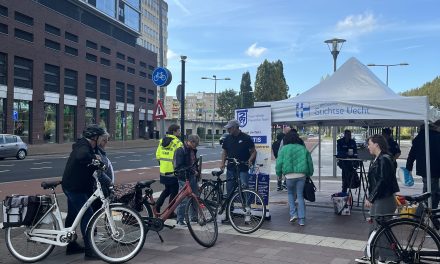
x,y
67,63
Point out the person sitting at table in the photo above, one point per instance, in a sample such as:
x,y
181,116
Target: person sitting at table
x,y
346,148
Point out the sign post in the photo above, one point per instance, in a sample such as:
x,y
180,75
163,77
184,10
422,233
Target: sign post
x,y
159,111
161,78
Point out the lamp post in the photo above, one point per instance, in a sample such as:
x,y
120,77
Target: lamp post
x,y
334,45
182,100
215,79
387,66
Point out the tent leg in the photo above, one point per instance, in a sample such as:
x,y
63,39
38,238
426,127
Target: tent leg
x,y
319,158
334,150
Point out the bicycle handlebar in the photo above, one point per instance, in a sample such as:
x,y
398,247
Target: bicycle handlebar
x,y
98,165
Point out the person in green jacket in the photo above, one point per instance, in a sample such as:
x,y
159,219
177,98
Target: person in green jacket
x,y
295,163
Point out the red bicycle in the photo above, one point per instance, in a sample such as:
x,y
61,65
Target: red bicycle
x,y
200,219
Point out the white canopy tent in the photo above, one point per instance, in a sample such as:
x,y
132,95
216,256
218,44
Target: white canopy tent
x,y
353,96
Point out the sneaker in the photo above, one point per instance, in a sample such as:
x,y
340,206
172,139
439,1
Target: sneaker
x,y
89,255
293,219
74,248
279,189
363,259
301,222
181,223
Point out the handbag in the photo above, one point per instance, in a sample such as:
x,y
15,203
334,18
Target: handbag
x,y
405,176
309,190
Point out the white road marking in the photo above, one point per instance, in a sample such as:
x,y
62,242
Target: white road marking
x,y
5,170
7,165
44,162
134,160
118,157
41,168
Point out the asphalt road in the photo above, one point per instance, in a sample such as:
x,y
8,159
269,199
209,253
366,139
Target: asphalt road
x,y
50,166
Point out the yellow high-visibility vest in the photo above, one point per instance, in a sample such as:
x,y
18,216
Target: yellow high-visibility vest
x,y
165,155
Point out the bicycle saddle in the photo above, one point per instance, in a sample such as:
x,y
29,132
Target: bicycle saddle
x,y
418,198
49,185
216,173
145,184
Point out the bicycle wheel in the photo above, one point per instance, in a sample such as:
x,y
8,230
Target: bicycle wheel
x,y
202,223
25,250
125,243
246,211
210,195
405,241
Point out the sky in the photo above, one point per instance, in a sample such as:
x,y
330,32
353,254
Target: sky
x,y
227,38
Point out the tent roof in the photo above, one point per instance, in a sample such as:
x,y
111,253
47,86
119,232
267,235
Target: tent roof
x,y
352,86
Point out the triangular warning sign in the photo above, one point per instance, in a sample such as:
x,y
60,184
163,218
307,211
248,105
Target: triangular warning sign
x,y
159,111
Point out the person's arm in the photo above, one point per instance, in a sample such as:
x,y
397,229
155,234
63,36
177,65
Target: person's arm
x,y
223,162
398,151
310,164
253,152
279,164
411,158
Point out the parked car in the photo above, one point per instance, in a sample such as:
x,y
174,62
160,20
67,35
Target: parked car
x,y
12,146
222,138
360,140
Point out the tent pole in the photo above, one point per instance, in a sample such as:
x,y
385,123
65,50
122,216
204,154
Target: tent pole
x,y
319,157
428,157
334,150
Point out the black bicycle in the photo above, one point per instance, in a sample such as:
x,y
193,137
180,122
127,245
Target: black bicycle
x,y
244,208
407,240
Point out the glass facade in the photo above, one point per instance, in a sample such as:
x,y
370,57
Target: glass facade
x,y
132,18
103,118
50,123
3,68
90,116
107,6
2,115
69,123
129,125
23,69
21,126
118,127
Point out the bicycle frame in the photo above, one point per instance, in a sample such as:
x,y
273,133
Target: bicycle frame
x,y
64,235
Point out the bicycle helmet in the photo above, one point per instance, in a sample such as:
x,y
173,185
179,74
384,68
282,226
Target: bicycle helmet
x,y
92,131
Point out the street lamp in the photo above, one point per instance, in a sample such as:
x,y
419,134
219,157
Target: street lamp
x,y
336,46
215,79
388,65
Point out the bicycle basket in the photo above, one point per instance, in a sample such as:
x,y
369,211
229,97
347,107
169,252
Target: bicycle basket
x,y
127,194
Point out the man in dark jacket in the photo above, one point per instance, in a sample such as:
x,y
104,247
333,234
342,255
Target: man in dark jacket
x,y
346,148
78,184
275,149
417,153
186,157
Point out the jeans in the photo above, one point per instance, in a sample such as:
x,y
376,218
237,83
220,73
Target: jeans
x,y
435,190
75,202
295,187
182,205
230,176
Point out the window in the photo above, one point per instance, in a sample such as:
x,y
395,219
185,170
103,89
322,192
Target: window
x,y
3,11
52,30
120,56
104,89
71,37
3,28
131,60
91,57
150,76
151,68
143,74
142,100
10,139
151,92
70,81
91,86
150,101
130,94
69,123
71,51
21,126
106,50
142,90
91,44
105,62
143,64
120,67
24,18
90,116
50,123
52,44
120,92
131,70
23,72
51,78
3,70
24,35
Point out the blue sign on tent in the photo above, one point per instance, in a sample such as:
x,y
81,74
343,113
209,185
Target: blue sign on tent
x,y
15,116
161,77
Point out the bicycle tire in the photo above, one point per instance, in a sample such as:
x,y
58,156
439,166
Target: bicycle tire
x,y
17,241
128,239
400,242
203,224
210,194
245,219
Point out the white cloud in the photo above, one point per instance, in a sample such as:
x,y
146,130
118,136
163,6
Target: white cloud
x,y
171,55
254,51
182,7
357,24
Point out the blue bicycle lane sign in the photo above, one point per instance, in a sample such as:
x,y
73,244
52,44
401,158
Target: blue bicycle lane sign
x,y
161,77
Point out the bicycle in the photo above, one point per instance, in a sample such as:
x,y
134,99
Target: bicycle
x,y
407,240
116,232
200,219
244,208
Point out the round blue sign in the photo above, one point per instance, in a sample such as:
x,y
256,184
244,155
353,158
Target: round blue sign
x,y
161,77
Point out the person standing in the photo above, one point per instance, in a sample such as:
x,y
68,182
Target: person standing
x,y
240,146
346,147
78,183
382,187
186,156
295,163
417,153
165,156
275,150
393,147
100,150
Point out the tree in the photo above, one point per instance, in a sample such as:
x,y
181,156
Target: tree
x,y
270,84
430,89
246,94
227,101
